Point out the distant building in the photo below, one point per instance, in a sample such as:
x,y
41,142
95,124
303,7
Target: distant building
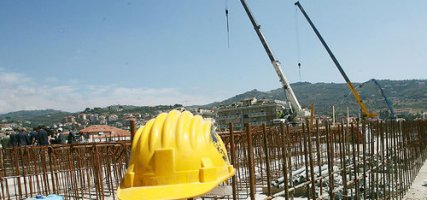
x,y
102,119
205,113
103,133
85,122
252,111
425,116
118,124
83,116
6,127
69,119
112,118
128,116
404,111
138,115
93,118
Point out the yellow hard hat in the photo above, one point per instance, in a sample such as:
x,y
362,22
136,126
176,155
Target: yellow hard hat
x,y
175,156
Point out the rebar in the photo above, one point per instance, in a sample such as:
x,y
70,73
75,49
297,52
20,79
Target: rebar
x,y
367,160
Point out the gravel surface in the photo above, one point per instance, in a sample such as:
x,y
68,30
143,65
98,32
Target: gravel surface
x,y
418,190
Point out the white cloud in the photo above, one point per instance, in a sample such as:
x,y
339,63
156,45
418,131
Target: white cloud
x,y
21,92
10,78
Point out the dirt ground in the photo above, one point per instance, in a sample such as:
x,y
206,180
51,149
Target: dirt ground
x,y
418,190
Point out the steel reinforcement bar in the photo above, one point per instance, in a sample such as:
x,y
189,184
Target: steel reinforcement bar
x,y
372,160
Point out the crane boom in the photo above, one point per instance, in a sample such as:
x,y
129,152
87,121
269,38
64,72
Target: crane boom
x,y
296,109
349,84
389,104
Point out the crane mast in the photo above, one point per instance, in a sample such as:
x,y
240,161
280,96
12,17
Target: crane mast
x,y
296,110
349,84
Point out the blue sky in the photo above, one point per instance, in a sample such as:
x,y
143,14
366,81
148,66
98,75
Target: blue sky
x,y
69,55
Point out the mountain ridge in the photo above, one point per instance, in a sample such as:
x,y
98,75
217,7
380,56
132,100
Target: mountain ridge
x,y
405,94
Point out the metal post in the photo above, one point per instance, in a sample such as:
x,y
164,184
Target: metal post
x,y
343,157
364,157
353,141
290,141
132,130
267,159
304,136
285,157
310,157
329,145
251,162
233,159
319,162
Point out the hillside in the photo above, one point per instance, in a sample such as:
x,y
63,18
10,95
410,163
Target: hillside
x,y
404,94
33,118
36,117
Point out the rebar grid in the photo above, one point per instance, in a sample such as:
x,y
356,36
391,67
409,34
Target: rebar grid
x,y
80,171
373,160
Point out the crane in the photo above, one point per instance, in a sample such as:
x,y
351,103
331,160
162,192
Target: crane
x,y
356,95
387,101
389,104
295,107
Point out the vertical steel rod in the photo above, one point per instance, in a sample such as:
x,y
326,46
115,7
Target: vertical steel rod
x,y
251,162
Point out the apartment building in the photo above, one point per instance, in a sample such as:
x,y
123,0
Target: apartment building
x,y
252,111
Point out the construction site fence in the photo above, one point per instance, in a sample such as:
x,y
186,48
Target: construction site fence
x,y
78,171
319,160
369,160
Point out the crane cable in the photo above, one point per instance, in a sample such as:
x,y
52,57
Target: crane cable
x,y
228,27
298,43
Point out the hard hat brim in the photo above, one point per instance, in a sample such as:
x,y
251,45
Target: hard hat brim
x,y
174,191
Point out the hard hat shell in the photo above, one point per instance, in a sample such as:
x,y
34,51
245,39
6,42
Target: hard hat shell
x,y
175,156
